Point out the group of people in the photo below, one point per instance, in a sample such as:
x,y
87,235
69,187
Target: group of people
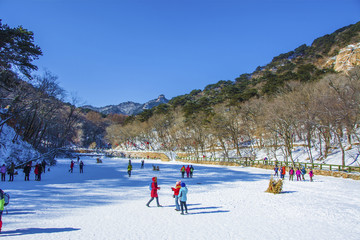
x,y
40,168
189,170
10,171
180,195
81,165
300,173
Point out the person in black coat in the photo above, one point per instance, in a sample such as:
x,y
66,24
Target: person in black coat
x,y
81,167
27,170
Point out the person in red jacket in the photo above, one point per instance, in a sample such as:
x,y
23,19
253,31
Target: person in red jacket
x,y
36,171
187,171
154,188
71,166
176,195
283,172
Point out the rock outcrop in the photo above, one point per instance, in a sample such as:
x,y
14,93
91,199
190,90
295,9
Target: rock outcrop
x,y
346,59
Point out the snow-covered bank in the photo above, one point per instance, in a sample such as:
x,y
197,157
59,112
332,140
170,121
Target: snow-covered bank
x,y
12,148
224,203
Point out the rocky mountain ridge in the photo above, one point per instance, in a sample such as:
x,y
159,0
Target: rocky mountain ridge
x,y
128,108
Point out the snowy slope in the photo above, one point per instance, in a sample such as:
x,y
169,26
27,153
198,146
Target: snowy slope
x,y
16,151
224,203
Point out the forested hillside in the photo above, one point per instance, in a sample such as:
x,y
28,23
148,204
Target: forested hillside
x,y
33,105
295,99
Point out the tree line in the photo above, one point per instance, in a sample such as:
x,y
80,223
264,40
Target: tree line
x,y
319,115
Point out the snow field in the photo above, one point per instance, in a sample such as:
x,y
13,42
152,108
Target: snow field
x,y
223,202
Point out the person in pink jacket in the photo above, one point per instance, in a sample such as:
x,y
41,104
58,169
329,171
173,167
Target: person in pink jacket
x,y
311,174
291,174
187,171
298,174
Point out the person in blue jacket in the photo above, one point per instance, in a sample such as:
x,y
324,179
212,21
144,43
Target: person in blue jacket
x,y
182,195
303,172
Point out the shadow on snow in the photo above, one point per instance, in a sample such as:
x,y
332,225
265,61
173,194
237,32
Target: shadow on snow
x,y
26,231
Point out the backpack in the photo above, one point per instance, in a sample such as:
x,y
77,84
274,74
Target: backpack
x,y
7,199
150,186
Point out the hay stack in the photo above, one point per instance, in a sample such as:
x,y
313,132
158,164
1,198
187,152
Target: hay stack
x,y
275,186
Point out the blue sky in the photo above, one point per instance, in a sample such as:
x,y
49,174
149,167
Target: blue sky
x,y
113,51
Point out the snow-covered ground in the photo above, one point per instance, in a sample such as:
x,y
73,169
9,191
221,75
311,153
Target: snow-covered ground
x,y
224,203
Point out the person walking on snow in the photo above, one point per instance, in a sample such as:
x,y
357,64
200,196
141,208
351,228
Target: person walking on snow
x,y
187,171
182,171
71,166
27,170
291,174
36,171
129,168
142,163
3,172
303,172
153,194
183,197
176,194
39,172
298,174
81,166
43,166
191,171
276,169
283,172
11,172
311,174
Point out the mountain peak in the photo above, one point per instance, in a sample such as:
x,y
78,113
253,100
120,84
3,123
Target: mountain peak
x,y
129,108
153,103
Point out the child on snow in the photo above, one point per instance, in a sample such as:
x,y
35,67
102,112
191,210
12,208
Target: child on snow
x,y
182,195
154,188
191,171
176,195
311,174
298,174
